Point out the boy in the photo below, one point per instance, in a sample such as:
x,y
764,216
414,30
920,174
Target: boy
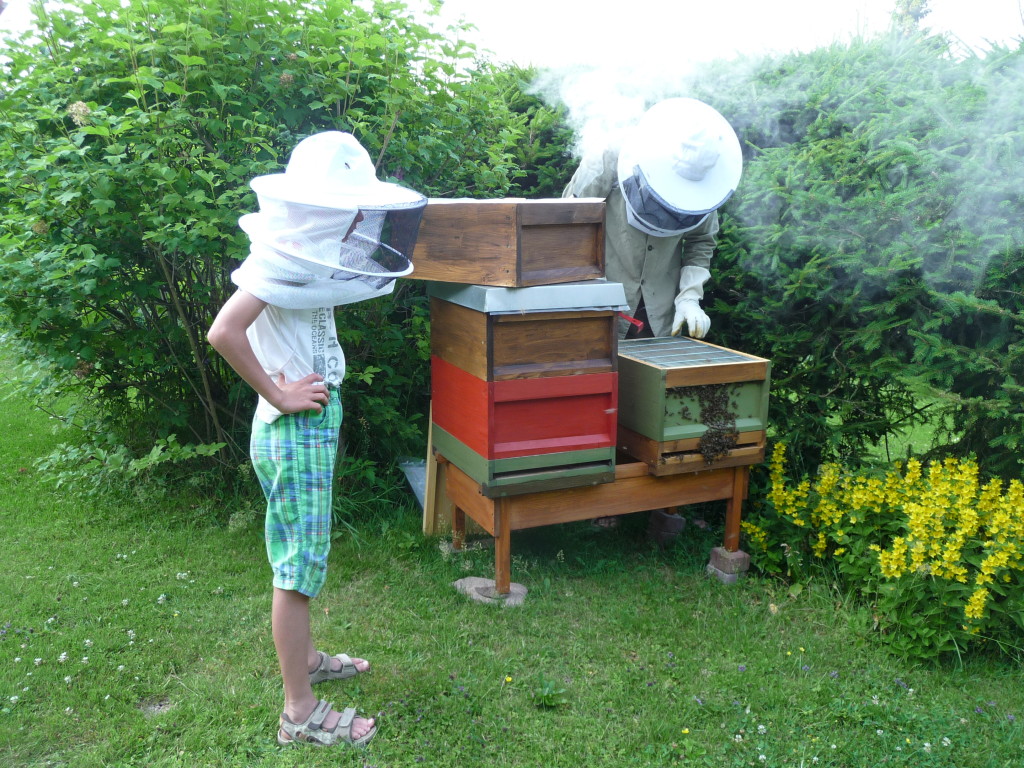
x,y
317,242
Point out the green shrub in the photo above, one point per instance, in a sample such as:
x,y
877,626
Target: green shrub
x,y
130,133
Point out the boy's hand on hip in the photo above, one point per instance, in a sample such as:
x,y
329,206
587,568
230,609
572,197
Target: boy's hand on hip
x,y
307,394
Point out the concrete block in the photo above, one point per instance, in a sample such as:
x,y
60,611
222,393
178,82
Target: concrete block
x,y
729,562
725,578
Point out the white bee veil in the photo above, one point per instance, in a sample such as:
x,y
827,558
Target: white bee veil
x,y
328,232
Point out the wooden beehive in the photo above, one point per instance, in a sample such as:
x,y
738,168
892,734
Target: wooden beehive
x,y
686,405
510,242
524,388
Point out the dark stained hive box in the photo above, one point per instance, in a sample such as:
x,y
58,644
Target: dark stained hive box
x,y
686,405
510,242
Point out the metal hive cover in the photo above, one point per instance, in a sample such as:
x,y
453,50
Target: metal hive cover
x,y
597,294
680,352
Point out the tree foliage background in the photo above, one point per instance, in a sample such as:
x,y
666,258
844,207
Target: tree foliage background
x,y
130,133
873,250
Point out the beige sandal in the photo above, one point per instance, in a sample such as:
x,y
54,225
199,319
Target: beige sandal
x,y
323,670
312,731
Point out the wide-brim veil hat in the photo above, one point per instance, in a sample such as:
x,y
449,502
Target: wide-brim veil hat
x,y
688,153
333,170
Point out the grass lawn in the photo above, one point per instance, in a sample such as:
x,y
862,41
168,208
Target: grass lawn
x,y
134,631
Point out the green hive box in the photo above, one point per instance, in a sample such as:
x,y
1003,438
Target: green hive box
x,y
686,405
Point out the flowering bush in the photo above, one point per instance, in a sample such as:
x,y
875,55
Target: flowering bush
x,y
936,551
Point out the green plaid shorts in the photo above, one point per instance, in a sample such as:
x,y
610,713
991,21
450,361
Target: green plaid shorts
x,y
294,460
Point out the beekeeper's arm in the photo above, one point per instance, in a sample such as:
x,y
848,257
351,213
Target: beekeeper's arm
x,y
228,336
595,176
697,247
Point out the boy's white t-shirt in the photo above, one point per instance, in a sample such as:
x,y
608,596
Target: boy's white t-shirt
x,y
296,342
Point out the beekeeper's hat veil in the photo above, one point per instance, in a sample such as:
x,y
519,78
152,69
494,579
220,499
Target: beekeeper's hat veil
x,y
328,232
679,163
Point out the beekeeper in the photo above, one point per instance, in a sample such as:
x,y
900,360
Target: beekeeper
x,y
676,167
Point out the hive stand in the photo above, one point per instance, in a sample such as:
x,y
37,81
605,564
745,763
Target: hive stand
x,y
634,490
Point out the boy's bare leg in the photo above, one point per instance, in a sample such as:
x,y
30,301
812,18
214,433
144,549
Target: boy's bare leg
x,y
289,620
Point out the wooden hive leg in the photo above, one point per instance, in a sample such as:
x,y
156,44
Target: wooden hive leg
x,y
734,509
458,527
503,547
728,562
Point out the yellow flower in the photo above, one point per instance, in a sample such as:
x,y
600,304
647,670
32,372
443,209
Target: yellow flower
x,y
508,679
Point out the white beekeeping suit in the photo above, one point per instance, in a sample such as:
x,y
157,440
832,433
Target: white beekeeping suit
x,y
678,165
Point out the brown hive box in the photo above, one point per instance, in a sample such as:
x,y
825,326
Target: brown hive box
x,y
510,242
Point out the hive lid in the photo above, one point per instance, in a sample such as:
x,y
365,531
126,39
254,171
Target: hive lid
x,y
681,352
582,295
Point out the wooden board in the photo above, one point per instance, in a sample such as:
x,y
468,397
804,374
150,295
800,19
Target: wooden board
x,y
673,457
633,490
510,242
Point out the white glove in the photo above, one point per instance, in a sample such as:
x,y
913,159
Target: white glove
x,y
691,291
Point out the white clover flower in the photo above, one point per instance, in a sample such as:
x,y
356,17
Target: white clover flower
x,y
62,658
74,583
120,667
131,634
762,729
879,731
124,602
85,659
14,699
738,737
38,662
182,576
946,742
927,747
88,643
67,678
162,599
814,759
17,659
762,758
